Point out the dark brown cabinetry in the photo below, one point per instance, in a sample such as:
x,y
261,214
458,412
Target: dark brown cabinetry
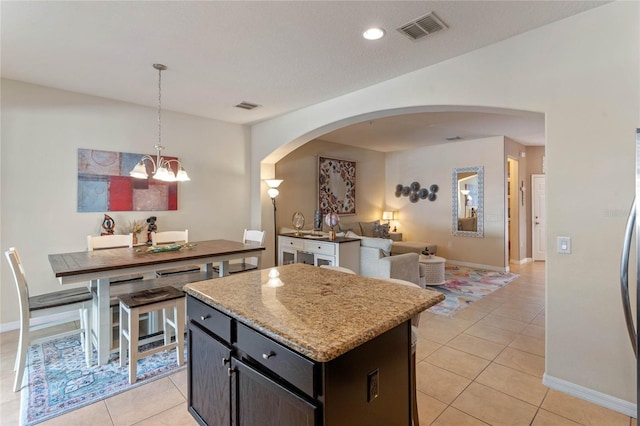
x,y
210,394
260,400
238,376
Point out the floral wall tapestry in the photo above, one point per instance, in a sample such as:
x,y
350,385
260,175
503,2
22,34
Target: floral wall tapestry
x,y
104,184
336,186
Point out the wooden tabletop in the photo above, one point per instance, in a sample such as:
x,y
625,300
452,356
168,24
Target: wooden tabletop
x,y
88,262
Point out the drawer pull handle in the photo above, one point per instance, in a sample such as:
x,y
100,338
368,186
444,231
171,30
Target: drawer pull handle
x,y
225,361
230,371
205,317
269,355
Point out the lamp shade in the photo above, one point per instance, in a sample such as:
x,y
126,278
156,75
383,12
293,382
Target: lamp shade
x,y
273,183
273,192
388,215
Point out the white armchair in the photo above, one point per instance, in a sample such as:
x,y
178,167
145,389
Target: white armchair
x,y
376,261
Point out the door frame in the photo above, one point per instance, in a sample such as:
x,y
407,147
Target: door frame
x,y
534,242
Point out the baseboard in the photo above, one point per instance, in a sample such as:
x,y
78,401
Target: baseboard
x,y
611,402
478,266
59,317
521,261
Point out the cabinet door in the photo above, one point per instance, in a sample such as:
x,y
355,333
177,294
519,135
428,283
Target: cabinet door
x,y
325,260
209,385
261,401
287,256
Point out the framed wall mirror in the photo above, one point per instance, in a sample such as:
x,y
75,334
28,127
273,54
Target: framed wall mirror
x,y
468,202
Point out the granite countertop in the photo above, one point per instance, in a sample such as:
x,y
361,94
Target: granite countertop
x,y
317,312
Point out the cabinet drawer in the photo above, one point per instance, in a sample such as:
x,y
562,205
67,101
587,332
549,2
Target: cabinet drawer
x,y
320,248
208,318
295,243
284,362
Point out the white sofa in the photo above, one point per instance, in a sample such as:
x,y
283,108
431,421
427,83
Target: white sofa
x,y
376,260
375,229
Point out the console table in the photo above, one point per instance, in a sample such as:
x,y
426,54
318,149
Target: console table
x,y
307,249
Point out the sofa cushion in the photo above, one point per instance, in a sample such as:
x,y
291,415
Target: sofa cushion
x,y
381,230
367,228
351,227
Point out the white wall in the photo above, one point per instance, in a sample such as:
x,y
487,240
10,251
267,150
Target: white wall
x,y
584,77
42,129
431,221
299,191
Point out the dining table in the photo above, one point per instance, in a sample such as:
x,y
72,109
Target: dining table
x,y
98,267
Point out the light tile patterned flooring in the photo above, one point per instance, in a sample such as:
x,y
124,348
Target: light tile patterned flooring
x,y
484,366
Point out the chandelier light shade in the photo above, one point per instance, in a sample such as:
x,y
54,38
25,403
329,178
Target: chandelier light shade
x,y
162,169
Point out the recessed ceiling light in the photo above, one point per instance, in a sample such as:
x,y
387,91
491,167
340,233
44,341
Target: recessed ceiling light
x,y
373,34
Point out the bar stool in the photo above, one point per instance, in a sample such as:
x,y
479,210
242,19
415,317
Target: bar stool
x,y
135,304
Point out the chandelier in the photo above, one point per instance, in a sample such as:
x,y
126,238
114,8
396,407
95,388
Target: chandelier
x,y
161,166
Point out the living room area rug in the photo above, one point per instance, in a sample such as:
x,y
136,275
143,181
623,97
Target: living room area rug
x,y
464,286
58,379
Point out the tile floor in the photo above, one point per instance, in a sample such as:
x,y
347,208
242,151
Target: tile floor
x,y
484,366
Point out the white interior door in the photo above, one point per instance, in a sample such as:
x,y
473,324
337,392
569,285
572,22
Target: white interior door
x,y
538,233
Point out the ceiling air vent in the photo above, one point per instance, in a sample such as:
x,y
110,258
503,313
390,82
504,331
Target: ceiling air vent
x,y
247,105
423,26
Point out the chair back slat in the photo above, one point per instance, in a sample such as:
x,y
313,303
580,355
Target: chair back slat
x,y
169,237
109,241
20,279
253,236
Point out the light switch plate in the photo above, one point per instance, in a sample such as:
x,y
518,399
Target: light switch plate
x,y
564,245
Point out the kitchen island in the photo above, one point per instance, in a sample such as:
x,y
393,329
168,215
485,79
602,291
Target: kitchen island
x,y
301,345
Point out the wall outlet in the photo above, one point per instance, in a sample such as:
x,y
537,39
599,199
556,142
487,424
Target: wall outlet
x,y
564,245
372,385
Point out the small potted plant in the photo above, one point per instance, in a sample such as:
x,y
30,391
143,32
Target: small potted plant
x,y
426,252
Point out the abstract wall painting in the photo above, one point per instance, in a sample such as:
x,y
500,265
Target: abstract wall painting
x,y
104,184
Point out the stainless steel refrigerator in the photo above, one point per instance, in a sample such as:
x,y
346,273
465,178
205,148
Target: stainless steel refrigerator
x,y
633,226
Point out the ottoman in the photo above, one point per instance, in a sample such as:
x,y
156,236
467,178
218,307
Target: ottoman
x,y
434,269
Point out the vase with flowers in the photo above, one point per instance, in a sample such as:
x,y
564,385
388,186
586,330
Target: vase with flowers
x,y
135,227
332,219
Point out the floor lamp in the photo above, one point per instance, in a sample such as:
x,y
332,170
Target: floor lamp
x,y
273,193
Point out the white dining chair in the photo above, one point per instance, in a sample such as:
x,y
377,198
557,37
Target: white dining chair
x,y
109,241
44,305
166,237
250,236
415,322
102,242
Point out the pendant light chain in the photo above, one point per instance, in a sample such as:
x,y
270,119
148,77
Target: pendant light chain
x,y
162,169
160,67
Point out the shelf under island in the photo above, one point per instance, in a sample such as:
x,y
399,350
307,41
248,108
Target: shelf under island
x,y
301,345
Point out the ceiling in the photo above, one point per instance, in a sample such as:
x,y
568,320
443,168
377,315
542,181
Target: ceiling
x,y
281,55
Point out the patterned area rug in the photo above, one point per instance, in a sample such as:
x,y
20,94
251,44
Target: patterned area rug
x,y
59,380
464,286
